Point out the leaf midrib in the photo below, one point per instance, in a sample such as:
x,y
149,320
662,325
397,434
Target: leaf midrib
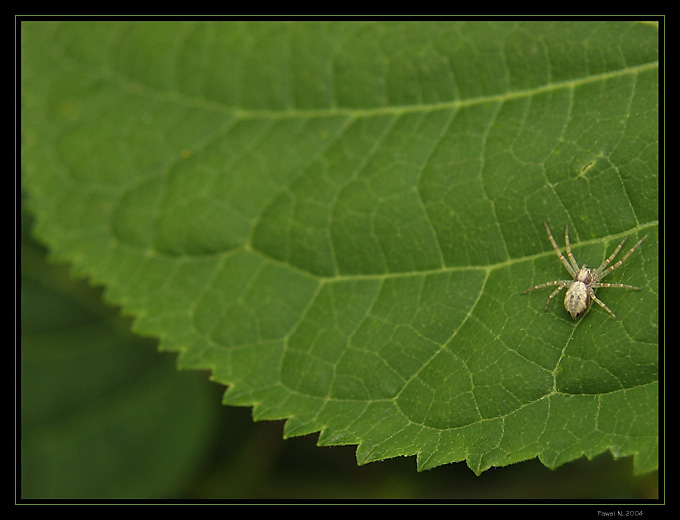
x,y
450,269
356,113
246,248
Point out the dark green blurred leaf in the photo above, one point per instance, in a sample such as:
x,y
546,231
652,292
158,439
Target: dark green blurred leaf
x,y
102,414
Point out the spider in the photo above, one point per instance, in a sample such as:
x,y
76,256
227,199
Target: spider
x,y
580,290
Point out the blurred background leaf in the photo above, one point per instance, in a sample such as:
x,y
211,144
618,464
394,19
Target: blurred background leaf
x,y
102,414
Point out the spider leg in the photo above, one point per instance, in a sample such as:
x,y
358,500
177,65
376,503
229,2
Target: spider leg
x,y
552,295
606,262
572,260
601,304
557,250
617,264
619,285
563,283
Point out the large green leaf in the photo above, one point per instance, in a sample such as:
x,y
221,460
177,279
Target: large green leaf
x,y
337,219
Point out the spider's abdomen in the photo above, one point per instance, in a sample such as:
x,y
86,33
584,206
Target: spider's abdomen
x,y
577,299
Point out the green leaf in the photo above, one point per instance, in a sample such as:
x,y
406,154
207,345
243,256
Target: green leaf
x,y
102,415
337,219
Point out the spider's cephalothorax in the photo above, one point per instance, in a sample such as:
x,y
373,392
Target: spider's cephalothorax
x,y
581,288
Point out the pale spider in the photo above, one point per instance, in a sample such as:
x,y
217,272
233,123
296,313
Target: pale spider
x,y
580,290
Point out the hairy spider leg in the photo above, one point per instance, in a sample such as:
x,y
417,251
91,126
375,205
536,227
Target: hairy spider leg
x,y
617,264
604,264
563,283
619,285
601,304
572,260
569,268
552,295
